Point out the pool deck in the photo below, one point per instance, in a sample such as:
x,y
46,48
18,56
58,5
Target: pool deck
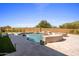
x,y
28,48
70,46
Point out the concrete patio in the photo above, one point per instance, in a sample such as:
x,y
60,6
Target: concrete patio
x,y
28,48
70,46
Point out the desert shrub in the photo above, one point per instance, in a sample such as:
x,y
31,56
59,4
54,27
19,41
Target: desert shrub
x,y
75,31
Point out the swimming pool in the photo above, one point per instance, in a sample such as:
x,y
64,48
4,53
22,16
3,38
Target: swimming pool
x,y
34,37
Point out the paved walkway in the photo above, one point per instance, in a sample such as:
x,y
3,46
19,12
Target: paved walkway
x,y
28,48
70,46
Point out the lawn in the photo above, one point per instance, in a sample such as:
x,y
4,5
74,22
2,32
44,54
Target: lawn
x,y
6,45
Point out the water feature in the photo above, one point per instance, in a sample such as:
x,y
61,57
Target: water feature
x,y
34,37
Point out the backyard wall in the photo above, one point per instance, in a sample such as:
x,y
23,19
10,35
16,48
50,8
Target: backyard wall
x,y
38,30
56,30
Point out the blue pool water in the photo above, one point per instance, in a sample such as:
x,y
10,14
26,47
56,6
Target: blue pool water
x,y
35,37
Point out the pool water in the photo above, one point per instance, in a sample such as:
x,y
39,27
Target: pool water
x,y
35,37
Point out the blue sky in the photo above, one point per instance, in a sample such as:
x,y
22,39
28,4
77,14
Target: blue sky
x,y
30,14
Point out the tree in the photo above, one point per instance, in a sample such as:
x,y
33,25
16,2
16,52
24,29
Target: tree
x,y
44,24
72,25
3,29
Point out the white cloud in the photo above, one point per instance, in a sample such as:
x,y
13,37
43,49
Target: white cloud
x,y
23,25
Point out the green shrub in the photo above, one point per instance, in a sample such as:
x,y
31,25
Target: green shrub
x,y
6,45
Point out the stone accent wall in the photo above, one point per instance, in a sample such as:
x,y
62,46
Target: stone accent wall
x,y
51,39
